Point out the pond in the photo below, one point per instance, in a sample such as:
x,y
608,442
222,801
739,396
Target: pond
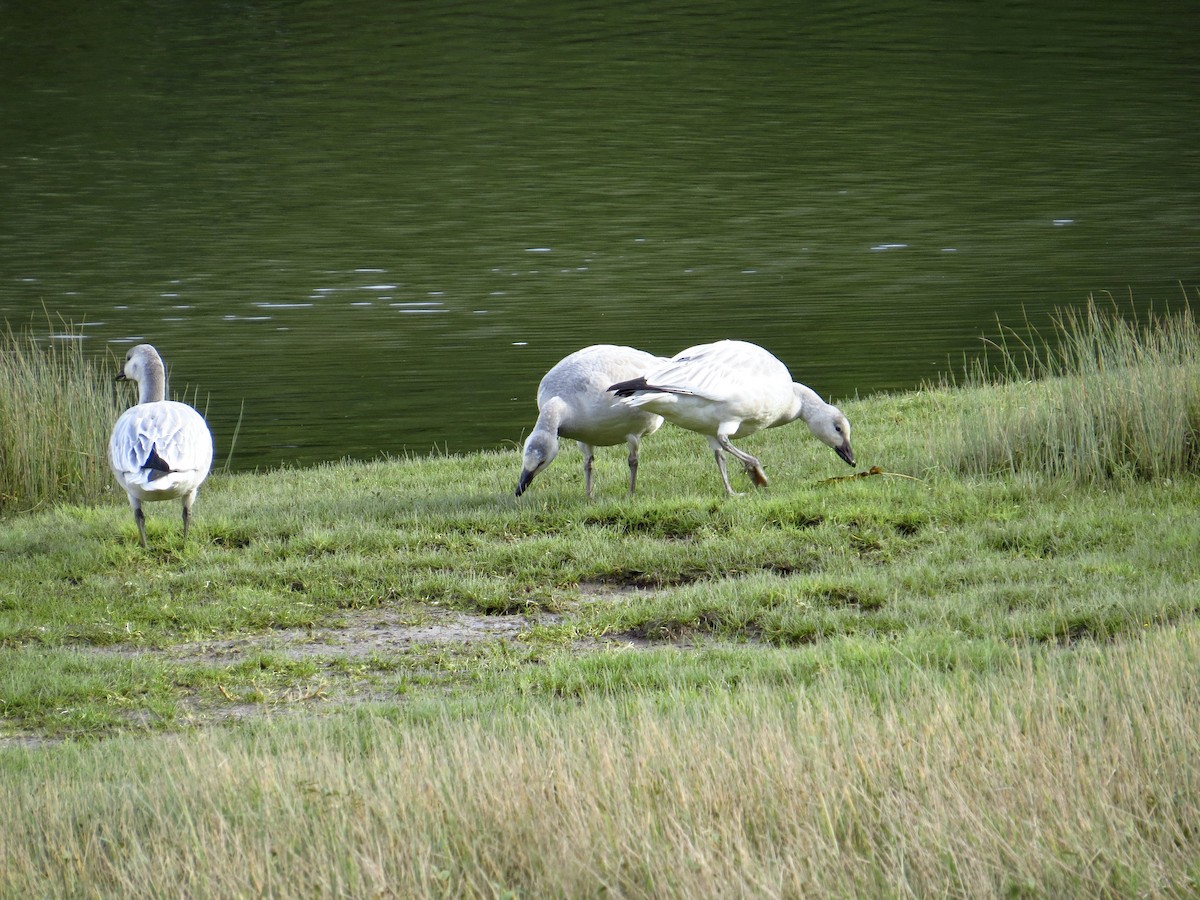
x,y
364,228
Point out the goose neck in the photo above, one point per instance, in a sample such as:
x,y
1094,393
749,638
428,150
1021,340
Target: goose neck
x,y
808,401
153,385
551,415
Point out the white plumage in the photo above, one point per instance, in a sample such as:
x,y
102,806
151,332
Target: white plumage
x,y
159,449
731,389
573,402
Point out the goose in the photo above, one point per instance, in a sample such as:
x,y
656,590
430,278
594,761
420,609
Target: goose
x,y
573,403
730,389
159,449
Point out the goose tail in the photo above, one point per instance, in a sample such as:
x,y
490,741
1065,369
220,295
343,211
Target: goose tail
x,y
155,466
630,387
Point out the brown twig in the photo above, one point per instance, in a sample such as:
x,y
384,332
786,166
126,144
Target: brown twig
x,y
874,470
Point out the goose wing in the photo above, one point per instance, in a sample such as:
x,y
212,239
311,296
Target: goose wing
x,y
724,371
161,447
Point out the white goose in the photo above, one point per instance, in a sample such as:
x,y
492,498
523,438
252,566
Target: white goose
x,y
573,403
731,389
159,449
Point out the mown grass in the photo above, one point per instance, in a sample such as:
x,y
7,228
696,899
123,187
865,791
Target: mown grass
x,y
944,679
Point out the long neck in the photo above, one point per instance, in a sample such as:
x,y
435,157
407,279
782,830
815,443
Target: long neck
x,y
808,402
152,386
550,416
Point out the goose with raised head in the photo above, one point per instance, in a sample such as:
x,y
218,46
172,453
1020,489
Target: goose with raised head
x,y
730,389
159,449
573,403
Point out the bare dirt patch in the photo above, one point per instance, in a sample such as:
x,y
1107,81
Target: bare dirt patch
x,y
370,636
363,634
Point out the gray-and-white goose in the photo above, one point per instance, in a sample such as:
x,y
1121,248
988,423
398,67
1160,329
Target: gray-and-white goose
x,y
159,449
573,402
730,389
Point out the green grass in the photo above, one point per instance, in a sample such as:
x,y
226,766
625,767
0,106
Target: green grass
x,y
1070,774
1106,396
56,411
949,678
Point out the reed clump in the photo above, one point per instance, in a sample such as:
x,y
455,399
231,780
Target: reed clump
x,y
56,409
1105,396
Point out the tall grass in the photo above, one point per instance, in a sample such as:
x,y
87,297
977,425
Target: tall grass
x,y
1104,396
56,411
1074,775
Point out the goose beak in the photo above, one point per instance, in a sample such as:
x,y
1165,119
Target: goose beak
x,y
845,453
523,482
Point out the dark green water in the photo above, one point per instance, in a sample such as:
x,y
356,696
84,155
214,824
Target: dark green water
x,y
376,225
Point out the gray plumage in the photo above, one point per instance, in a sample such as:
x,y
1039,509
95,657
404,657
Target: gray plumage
x,y
159,449
731,389
573,403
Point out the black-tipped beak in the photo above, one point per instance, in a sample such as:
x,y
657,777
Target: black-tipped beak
x,y
523,482
845,453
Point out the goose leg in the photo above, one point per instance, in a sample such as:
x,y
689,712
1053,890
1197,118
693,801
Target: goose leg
x,y
588,455
139,519
720,456
187,514
753,466
633,464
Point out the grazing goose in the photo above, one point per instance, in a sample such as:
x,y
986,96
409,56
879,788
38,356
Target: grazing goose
x,y
159,449
573,403
731,389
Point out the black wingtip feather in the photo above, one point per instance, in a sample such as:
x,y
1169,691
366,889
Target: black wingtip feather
x,y
156,463
630,387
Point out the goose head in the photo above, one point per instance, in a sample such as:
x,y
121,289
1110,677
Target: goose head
x,y
144,367
832,428
540,450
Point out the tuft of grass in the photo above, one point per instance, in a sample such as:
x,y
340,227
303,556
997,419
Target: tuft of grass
x,y
56,410
1105,396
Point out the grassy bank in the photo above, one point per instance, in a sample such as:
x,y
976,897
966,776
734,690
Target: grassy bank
x,y
394,677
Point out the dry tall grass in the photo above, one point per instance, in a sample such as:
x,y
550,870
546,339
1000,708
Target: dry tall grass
x,y
56,411
1106,396
1073,774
